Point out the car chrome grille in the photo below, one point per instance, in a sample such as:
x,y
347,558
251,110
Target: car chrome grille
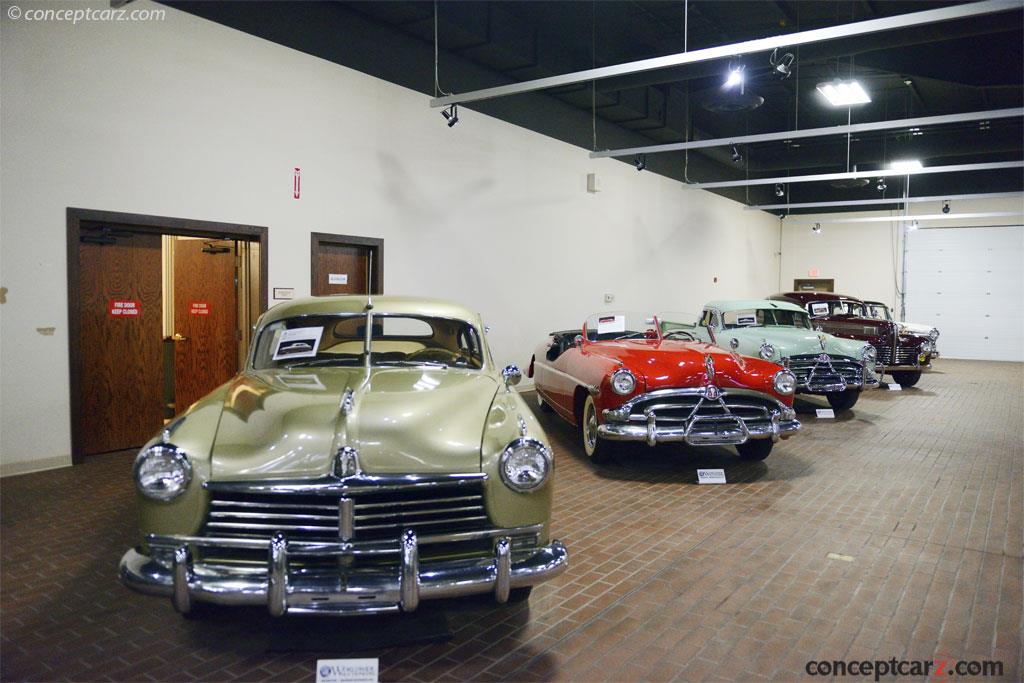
x,y
377,515
903,355
681,409
815,373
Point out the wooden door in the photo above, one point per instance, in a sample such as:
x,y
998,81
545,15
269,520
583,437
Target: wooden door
x,y
120,316
205,318
345,265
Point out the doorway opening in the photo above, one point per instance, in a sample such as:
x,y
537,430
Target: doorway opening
x,y
344,264
160,312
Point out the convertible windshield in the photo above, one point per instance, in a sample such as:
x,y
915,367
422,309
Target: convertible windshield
x,y
621,325
878,312
761,317
339,340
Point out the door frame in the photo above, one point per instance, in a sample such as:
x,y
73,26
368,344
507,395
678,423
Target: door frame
x,y
143,224
376,246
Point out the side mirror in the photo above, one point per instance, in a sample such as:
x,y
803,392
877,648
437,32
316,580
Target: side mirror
x,y
578,340
512,375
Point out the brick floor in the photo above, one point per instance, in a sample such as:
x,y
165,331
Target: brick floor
x,y
668,580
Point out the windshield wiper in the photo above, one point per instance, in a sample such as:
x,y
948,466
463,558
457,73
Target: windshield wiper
x,y
323,362
414,363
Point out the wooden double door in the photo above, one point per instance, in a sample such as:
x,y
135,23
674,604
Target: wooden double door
x,y
146,355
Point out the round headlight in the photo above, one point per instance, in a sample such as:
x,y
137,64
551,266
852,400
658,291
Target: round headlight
x,y
162,472
934,334
870,354
525,464
767,351
784,382
926,347
623,382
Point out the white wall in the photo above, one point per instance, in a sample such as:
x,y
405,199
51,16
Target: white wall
x,y
865,259
183,117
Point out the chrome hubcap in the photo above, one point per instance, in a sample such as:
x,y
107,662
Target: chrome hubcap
x,y
590,428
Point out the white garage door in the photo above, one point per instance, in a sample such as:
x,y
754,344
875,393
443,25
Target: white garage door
x,y
969,282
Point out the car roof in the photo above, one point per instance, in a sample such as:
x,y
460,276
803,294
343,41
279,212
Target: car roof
x,y
745,304
805,297
327,305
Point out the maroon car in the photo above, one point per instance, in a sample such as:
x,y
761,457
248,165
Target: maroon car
x,y
904,356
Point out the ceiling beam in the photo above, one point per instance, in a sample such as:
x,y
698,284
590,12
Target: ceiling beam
x,y
970,9
874,202
909,219
956,168
815,132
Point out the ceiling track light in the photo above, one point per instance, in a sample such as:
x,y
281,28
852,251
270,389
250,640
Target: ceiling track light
x,y
881,185
641,162
736,156
451,115
782,66
816,229
840,93
735,76
780,191
945,206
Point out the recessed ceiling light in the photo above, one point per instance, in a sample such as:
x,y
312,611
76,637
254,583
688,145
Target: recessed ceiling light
x,y
844,93
907,165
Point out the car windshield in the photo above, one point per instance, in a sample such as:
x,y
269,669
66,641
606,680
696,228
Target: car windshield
x,y
621,325
824,309
878,311
339,340
761,317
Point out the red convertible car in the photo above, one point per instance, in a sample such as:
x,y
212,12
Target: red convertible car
x,y
622,378
901,353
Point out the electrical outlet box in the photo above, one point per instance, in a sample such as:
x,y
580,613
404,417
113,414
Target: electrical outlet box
x,y
609,298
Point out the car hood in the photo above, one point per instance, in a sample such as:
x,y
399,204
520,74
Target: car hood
x,y
916,329
290,423
673,364
789,341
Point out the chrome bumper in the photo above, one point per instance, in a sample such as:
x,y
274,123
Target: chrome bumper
x,y
300,591
699,431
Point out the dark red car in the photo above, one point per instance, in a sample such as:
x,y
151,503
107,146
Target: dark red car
x,y
904,356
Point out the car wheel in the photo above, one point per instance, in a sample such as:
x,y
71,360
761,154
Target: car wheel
x,y
906,378
758,449
595,448
842,400
519,594
544,407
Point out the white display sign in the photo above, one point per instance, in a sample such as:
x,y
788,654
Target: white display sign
x,y
710,476
819,309
347,670
746,319
337,278
826,413
284,292
611,323
300,342
895,387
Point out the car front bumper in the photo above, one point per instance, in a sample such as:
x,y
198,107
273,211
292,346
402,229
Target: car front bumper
x,y
698,432
297,590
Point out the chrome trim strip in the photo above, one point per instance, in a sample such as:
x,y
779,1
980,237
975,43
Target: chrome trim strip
x,y
409,579
547,366
346,519
277,581
502,570
330,486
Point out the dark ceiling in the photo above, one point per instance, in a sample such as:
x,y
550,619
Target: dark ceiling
x,y
951,67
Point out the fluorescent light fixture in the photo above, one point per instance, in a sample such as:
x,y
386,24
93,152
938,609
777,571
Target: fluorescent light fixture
x,y
844,93
906,165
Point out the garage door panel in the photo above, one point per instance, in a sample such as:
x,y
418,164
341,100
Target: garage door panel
x,y
968,283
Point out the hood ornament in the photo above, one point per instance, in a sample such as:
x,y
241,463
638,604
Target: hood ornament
x,y
821,340
346,463
709,369
348,402
711,392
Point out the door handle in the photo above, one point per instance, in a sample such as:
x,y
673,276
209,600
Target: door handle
x,y
178,338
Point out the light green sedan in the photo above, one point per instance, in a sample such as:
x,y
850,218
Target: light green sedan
x,y
781,332
369,456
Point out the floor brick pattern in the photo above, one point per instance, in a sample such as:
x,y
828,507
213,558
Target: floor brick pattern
x,y
668,580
